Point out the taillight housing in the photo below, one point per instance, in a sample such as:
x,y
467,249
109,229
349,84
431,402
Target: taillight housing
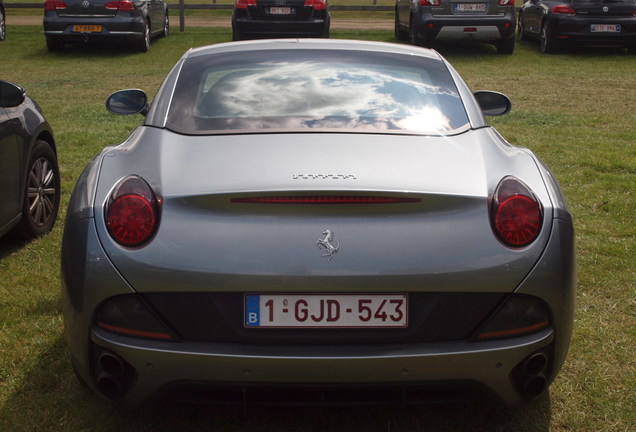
x,y
132,212
563,10
130,315
244,4
120,5
430,2
316,4
517,316
52,5
516,213
506,2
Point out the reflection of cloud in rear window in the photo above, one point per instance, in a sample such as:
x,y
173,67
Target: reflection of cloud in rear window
x,y
309,89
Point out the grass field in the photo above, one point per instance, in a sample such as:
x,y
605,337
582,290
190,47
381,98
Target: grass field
x,y
577,111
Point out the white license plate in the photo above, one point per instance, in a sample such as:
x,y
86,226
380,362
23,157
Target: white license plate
x,y
326,310
606,28
280,10
469,7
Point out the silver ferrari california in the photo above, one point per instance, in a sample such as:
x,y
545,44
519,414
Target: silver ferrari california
x,y
316,221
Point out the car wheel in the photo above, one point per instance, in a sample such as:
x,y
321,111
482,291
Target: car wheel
x,y
41,192
143,45
506,46
166,26
3,25
547,45
400,34
521,33
413,37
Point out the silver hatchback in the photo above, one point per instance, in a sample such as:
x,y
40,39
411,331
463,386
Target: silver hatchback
x,y
424,21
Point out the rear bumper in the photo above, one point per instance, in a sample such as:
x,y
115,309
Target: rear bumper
x,y
578,30
250,28
486,29
62,28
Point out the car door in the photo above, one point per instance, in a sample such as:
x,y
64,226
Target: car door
x,y
155,9
9,170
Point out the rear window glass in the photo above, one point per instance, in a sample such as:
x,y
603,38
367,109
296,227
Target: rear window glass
x,y
263,91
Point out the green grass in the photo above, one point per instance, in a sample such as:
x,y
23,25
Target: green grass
x,y
576,111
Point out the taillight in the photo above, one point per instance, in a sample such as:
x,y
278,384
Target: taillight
x,y
316,4
429,2
506,2
244,4
516,213
519,315
120,5
51,5
563,9
130,315
132,212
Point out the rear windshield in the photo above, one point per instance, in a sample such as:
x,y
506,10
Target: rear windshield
x,y
321,90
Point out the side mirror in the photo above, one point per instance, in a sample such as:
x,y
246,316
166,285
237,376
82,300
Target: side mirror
x,y
11,95
493,103
127,102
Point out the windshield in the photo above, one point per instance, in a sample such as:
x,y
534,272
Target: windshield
x,y
315,90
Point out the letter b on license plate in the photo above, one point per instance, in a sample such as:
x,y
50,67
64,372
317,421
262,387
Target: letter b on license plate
x,y
325,310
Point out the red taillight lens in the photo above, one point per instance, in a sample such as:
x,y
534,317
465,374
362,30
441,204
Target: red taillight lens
x,y
51,5
563,9
429,2
316,4
120,5
132,212
506,2
325,199
516,213
244,4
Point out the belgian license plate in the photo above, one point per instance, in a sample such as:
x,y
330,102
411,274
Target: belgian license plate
x,y
280,10
606,28
87,28
326,310
469,7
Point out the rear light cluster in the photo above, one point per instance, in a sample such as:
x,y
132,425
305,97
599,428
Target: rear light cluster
x,y
120,5
506,2
130,315
519,315
563,10
516,213
316,4
430,2
325,199
52,5
132,212
244,4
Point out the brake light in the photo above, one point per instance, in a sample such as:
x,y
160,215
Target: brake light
x,y
316,4
244,4
51,5
132,212
506,2
325,199
429,2
516,213
120,5
563,9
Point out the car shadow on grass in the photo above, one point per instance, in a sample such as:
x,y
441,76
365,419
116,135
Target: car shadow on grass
x,y
49,398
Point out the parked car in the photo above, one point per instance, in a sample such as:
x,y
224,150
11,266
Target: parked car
x,y
253,19
68,21
316,221
3,23
423,21
29,175
557,24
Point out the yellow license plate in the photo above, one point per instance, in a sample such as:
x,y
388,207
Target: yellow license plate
x,y
87,28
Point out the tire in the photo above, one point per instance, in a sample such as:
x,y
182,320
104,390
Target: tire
x,y
506,46
41,192
521,33
143,44
547,43
54,45
414,38
166,26
3,25
400,34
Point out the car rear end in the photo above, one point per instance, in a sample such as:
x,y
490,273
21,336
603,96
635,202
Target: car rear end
x,y
485,21
280,18
78,20
590,22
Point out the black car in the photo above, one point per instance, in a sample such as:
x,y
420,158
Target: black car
x,y
3,24
105,20
252,19
557,23
423,21
29,175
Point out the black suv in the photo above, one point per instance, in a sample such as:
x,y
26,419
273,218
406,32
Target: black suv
x,y
424,21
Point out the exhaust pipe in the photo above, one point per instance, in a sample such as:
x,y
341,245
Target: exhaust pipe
x,y
114,375
109,386
530,375
534,386
111,364
535,364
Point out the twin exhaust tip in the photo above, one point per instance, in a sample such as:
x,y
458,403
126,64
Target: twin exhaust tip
x,y
114,375
531,375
